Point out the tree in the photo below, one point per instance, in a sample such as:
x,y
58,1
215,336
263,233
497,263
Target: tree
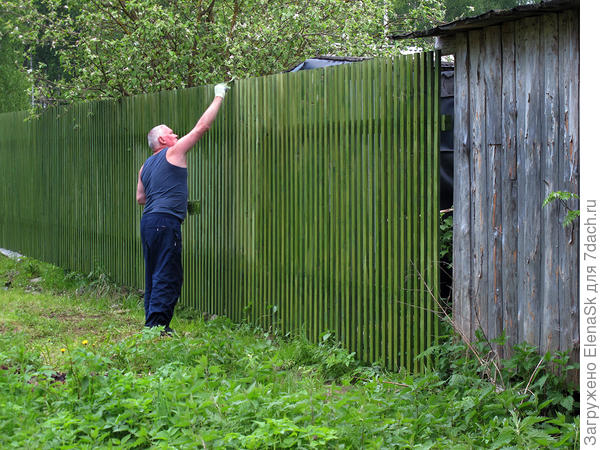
x,y
409,15
456,9
423,14
14,83
114,48
93,49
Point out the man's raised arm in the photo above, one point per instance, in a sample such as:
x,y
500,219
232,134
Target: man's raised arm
x,y
184,144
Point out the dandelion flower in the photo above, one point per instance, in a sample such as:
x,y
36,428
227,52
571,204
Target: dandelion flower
x,y
84,342
62,350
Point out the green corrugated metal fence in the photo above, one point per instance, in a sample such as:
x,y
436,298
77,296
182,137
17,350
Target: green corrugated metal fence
x,y
317,190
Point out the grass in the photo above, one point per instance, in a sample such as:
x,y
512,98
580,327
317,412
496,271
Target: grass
x,y
78,371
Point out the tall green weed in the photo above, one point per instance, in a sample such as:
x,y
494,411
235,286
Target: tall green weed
x,y
221,385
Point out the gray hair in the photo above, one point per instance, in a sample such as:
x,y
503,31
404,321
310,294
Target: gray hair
x,y
153,136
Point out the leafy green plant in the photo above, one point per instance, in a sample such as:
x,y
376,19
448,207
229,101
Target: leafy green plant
x,y
538,384
194,207
221,385
563,197
446,237
32,268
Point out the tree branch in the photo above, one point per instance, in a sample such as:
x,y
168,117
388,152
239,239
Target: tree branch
x,y
114,19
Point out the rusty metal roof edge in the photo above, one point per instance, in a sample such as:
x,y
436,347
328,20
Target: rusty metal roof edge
x,y
492,17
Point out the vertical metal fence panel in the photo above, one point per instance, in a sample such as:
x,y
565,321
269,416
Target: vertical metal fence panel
x,y
316,200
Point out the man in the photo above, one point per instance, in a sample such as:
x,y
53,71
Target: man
x,y
162,189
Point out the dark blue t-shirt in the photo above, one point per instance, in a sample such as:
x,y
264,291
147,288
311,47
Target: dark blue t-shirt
x,y
165,186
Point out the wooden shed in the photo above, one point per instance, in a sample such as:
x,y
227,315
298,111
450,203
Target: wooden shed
x,y
516,139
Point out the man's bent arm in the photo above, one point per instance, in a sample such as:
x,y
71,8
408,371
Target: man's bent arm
x,y
141,192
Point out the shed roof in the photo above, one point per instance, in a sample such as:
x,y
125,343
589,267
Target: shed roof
x,y
493,17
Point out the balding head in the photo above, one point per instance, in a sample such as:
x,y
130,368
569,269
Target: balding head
x,y
153,136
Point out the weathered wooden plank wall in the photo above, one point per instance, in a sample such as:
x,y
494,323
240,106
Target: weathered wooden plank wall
x,y
462,190
516,140
318,199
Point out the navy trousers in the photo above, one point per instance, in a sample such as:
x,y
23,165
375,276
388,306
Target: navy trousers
x,y
161,242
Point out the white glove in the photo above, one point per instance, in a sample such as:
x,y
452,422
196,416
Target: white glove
x,y
221,89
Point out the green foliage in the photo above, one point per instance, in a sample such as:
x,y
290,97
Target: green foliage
x,y
220,385
559,195
534,390
446,237
458,9
114,49
328,357
539,384
13,81
423,14
33,275
194,207
92,50
563,197
409,15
